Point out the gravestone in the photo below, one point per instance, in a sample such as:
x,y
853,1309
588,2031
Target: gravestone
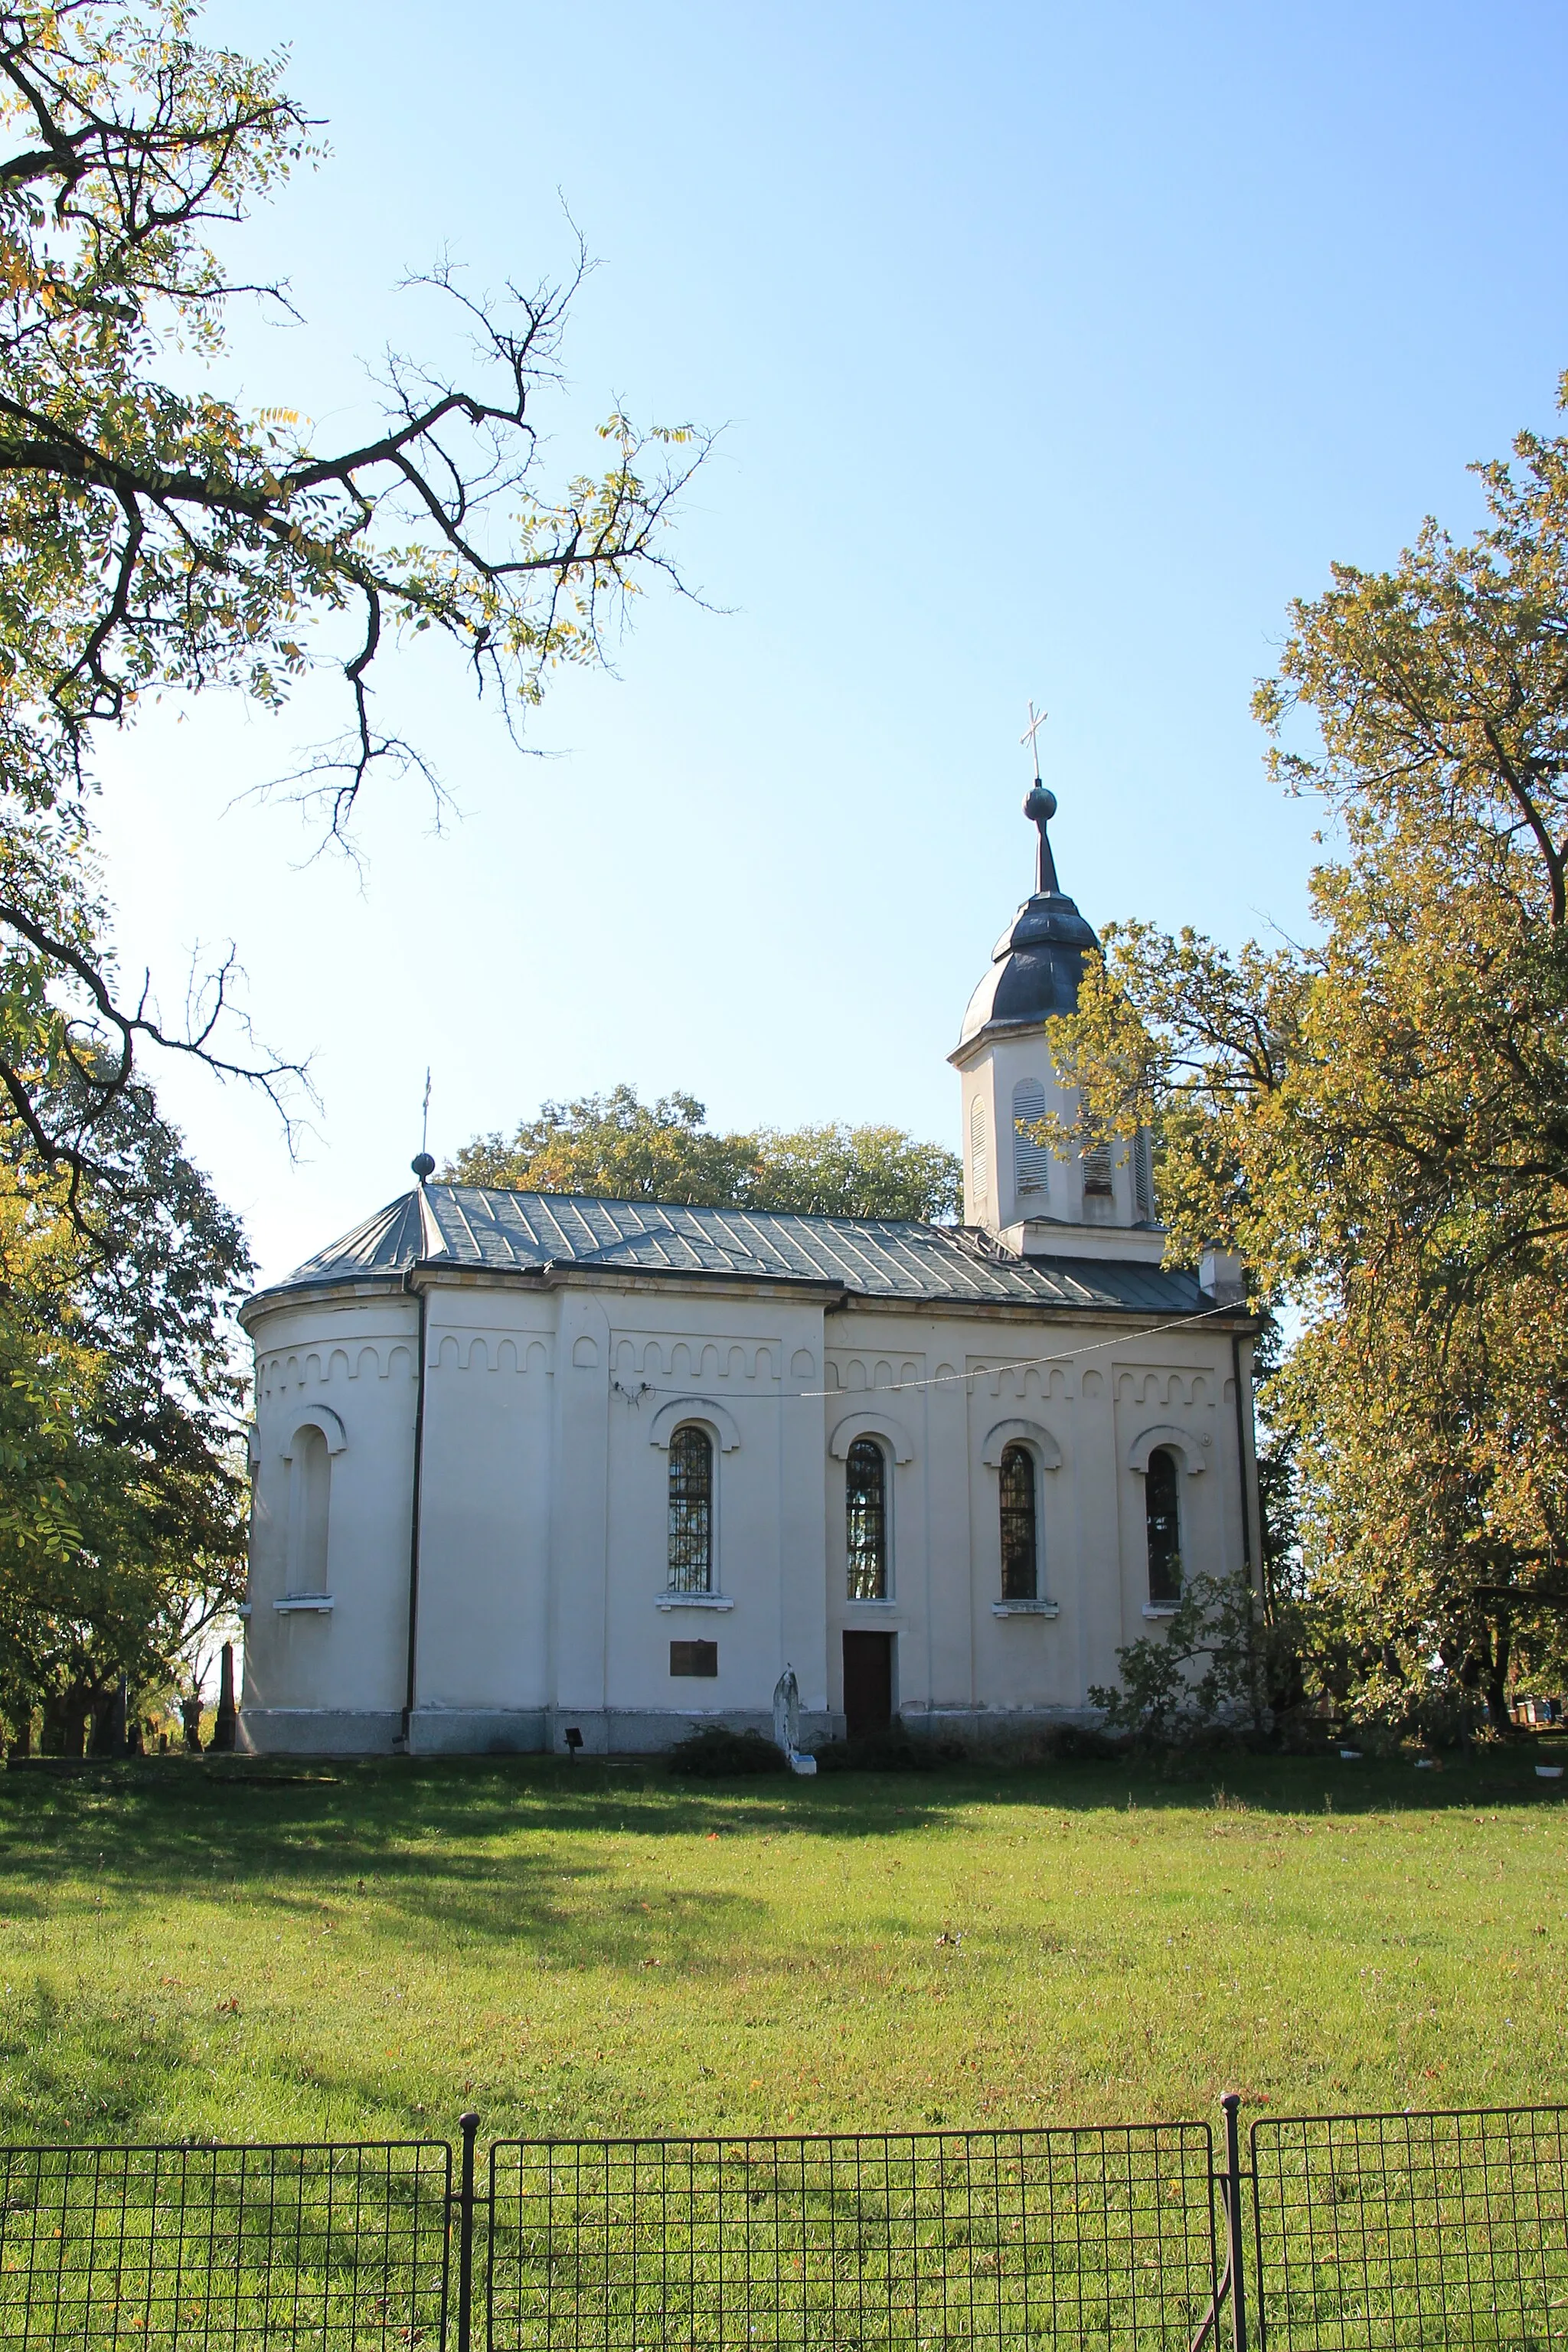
x,y
786,1722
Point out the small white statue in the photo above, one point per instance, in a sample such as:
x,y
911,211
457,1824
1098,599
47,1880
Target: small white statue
x,y
786,1722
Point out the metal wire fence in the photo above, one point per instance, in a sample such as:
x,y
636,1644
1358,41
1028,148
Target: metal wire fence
x,y
1101,2237
339,2247
1378,2232
1368,2234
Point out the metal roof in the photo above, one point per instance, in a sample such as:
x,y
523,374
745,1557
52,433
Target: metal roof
x,y
462,1226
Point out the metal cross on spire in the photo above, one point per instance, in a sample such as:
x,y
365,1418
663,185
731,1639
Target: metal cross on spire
x,y
423,1167
1037,720
1040,808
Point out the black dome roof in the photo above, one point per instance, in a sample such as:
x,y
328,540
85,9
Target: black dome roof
x,y
1036,967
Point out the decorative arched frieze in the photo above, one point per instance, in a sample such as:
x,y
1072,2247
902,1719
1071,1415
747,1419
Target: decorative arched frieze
x,y
322,1417
1046,1451
668,1418
1186,1448
871,1424
1144,1387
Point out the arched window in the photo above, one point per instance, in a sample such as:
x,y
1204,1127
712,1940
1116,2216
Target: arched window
x,y
1165,1524
310,1505
866,1494
1020,1531
690,1510
1031,1160
977,1168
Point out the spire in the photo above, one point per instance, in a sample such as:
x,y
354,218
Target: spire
x,y
1040,808
423,1166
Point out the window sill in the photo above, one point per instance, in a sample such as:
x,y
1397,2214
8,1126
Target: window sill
x,y
853,1603
693,1601
1025,1608
1160,1607
320,1602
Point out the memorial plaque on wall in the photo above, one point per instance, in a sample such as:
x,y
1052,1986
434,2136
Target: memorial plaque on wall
x,y
694,1657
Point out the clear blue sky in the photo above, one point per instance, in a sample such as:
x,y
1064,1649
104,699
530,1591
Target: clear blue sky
x,y
1058,348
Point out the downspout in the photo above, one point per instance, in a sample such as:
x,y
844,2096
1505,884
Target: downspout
x,y
423,1168
413,1512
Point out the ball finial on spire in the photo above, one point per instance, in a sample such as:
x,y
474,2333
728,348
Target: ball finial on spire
x,y
421,1165
1040,808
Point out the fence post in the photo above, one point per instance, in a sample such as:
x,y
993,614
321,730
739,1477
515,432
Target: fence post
x,y
1236,2233
467,2124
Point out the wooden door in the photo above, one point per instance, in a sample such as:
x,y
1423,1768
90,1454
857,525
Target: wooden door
x,y
867,1683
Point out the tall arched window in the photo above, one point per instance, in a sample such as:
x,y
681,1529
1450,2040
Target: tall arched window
x,y
309,1506
1165,1524
690,1510
866,1492
1031,1160
1020,1530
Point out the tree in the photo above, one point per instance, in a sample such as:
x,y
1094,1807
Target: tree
x,y
158,539
122,1486
622,1148
1379,1122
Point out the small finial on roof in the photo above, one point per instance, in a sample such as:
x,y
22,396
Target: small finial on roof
x,y
1040,808
422,1163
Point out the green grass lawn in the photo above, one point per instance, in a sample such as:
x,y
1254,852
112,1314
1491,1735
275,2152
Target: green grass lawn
x,y
248,1951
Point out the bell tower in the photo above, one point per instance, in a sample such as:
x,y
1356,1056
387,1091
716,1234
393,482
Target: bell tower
x,y
1088,1197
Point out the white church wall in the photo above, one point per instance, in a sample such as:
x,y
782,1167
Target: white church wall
x,y
482,1664
579,1515
317,1676
724,1364
1185,1403
543,1551
960,1662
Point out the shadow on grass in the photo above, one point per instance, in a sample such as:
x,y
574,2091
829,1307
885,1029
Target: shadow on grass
x,y
77,2069
443,1845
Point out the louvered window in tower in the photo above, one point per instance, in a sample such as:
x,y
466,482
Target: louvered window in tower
x,y
1031,1159
1097,1183
977,1168
1143,1176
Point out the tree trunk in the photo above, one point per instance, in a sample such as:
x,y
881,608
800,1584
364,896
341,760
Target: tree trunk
x,y
1497,1680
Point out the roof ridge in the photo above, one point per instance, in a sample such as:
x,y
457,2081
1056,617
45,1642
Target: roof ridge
x,y
642,1201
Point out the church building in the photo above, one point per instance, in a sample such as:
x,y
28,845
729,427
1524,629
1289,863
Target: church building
x,y
536,1470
